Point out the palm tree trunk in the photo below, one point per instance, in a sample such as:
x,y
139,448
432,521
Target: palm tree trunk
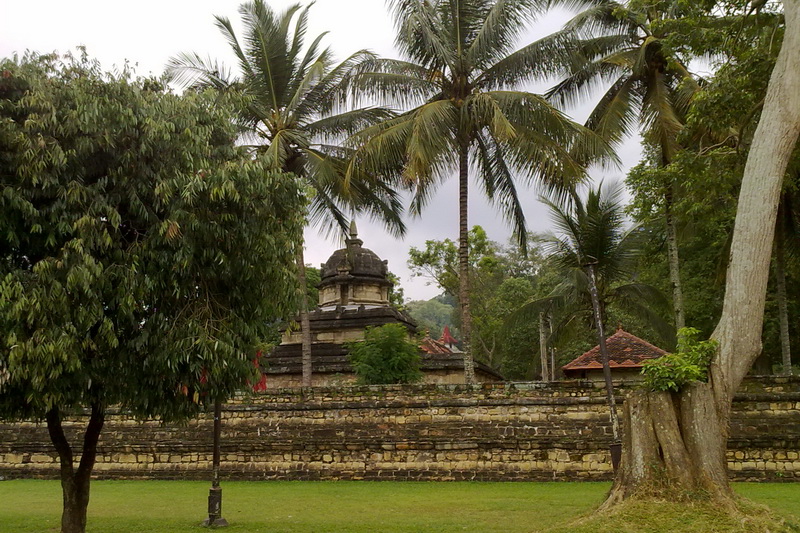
x,y
672,256
305,324
463,262
553,374
543,347
780,283
598,318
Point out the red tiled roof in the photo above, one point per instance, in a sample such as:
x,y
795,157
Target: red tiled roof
x,y
431,346
624,351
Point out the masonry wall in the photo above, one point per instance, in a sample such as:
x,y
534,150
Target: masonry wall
x,y
497,432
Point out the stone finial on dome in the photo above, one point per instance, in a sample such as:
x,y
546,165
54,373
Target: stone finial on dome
x,y
353,240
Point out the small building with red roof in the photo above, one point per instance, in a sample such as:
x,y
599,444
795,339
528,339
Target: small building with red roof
x,y
626,353
443,361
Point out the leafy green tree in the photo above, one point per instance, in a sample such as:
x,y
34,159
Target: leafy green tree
x,y
718,132
386,355
142,255
292,93
460,72
431,315
502,280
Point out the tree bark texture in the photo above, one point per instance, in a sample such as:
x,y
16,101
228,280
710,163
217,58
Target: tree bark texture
x,y
75,483
780,289
673,262
674,445
463,263
305,324
601,337
543,354
677,442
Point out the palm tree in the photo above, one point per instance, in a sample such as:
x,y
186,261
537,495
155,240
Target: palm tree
x,y
597,254
650,88
595,246
459,75
290,94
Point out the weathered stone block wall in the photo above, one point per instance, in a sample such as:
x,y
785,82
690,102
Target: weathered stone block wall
x,y
521,431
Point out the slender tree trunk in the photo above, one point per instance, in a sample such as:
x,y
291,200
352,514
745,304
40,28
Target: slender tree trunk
x,y
553,373
75,483
672,255
678,441
463,263
780,285
543,347
305,324
601,336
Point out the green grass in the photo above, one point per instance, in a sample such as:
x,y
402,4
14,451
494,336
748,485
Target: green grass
x,y
319,507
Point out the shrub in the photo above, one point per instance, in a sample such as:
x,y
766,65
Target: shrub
x,y
386,355
676,370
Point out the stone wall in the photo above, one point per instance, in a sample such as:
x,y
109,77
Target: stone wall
x,y
497,432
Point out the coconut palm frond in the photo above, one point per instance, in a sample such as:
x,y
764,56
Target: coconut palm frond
x,y
188,69
602,18
346,124
539,61
499,187
529,312
500,27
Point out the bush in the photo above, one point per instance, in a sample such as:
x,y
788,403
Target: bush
x,y
676,370
386,355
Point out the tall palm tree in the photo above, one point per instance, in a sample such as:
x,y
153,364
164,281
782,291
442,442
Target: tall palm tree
x,y
458,75
650,88
597,254
291,101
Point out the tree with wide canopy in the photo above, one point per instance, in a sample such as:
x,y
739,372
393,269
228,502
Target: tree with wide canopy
x,y
292,110
143,256
460,76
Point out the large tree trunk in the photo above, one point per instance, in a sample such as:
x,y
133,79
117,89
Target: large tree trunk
x,y
678,441
463,263
75,483
305,324
780,286
674,446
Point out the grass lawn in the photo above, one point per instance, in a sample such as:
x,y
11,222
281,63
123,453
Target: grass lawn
x,y
319,507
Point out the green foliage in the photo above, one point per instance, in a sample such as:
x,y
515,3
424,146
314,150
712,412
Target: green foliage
x,y
143,257
397,297
690,363
432,315
386,355
707,173
313,278
593,230
502,279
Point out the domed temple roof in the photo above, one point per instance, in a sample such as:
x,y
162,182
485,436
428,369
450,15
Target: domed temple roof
x,y
353,260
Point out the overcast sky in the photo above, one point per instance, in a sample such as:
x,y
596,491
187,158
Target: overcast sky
x,y
147,33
